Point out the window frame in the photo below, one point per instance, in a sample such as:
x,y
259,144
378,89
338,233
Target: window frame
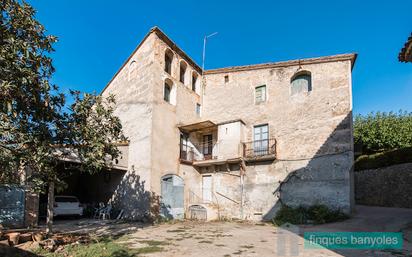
x,y
182,66
261,146
194,82
198,109
166,85
265,94
300,75
168,65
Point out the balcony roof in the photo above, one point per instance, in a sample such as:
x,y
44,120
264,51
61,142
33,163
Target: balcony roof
x,y
197,126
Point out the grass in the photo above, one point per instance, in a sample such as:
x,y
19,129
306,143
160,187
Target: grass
x,y
317,214
103,249
108,247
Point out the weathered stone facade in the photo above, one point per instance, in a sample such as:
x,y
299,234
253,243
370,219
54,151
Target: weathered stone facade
x,y
388,186
308,148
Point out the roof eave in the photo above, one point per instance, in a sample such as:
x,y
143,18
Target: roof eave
x,y
333,58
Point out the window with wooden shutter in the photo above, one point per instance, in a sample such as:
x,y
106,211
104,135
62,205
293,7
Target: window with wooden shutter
x,y
260,94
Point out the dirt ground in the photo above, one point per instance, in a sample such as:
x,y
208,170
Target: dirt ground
x,y
189,238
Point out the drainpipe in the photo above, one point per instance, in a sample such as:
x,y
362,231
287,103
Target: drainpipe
x,y
242,179
241,194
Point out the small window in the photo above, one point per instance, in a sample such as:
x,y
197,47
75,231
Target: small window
x,y
260,94
226,78
182,72
301,82
166,93
198,109
194,81
132,67
168,61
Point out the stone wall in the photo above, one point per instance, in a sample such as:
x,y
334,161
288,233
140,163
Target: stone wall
x,y
313,130
388,186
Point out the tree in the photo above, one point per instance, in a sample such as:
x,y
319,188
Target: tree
x,y
382,131
36,130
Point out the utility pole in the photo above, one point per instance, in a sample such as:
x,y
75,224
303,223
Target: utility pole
x,y
204,49
203,64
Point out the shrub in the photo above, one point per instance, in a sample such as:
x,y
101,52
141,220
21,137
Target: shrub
x,y
318,214
291,215
383,159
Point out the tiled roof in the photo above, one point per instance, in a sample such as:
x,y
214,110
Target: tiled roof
x,y
406,52
333,58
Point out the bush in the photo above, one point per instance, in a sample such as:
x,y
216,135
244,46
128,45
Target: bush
x,y
384,159
317,214
321,214
291,215
382,131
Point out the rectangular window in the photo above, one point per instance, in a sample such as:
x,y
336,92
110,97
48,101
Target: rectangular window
x,y
198,109
194,79
167,90
261,139
260,94
226,78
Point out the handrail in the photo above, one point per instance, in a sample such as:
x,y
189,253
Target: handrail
x,y
258,148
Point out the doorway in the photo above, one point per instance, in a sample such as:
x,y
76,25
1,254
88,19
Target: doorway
x,y
207,188
172,188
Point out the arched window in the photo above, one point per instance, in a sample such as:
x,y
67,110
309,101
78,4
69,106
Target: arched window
x,y
194,81
168,61
167,91
132,67
301,82
182,72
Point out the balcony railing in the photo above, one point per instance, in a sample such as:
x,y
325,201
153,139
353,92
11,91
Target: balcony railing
x,y
187,155
259,148
200,152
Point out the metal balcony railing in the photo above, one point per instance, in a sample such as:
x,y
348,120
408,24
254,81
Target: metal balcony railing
x,y
187,154
200,152
259,148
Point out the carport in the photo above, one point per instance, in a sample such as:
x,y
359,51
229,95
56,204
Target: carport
x,y
90,188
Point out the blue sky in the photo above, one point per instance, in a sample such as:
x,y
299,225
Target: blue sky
x,y
96,37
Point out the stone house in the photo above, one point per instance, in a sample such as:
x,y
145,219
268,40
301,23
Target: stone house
x,y
233,142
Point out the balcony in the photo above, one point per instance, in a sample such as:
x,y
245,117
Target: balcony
x,y
260,150
204,154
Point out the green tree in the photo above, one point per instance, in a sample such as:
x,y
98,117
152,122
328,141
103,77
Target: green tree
x,y
36,130
382,131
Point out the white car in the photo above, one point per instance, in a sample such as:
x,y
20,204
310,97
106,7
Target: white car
x,y
67,205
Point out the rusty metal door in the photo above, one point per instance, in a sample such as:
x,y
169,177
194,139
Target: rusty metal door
x,y
172,188
12,206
